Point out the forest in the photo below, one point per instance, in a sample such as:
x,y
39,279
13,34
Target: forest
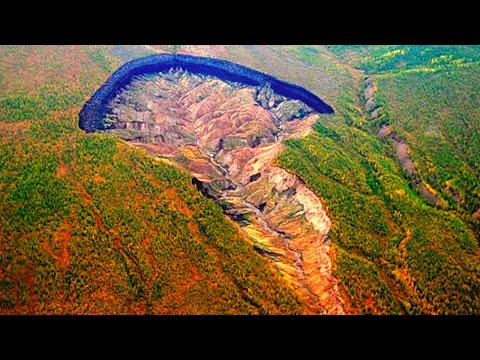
x,y
395,253
90,225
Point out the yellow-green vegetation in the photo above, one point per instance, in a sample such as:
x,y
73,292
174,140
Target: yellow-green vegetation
x,y
89,224
438,114
398,58
394,252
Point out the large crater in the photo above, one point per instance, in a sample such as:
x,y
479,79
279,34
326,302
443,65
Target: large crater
x,y
227,132
91,116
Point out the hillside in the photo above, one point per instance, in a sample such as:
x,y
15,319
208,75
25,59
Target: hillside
x,y
397,253
428,96
109,223
91,225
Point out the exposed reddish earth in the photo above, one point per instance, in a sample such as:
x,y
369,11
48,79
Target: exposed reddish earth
x,y
228,136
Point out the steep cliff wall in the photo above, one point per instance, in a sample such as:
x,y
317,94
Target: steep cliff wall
x,y
92,114
228,137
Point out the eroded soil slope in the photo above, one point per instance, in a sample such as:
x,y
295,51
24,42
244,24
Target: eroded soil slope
x,y
228,136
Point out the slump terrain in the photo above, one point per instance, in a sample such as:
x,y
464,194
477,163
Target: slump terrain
x,y
228,136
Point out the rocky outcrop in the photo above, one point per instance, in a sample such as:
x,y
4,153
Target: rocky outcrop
x,y
92,115
228,134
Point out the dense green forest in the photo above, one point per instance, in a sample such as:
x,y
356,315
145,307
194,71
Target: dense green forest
x,y
395,252
91,225
398,58
433,106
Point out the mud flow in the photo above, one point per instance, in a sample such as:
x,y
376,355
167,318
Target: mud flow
x,y
228,136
